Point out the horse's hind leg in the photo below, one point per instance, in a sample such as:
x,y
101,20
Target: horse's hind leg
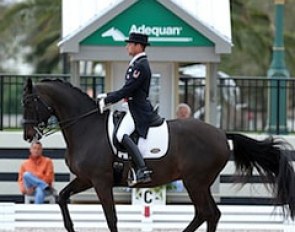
x,y
73,187
213,221
205,209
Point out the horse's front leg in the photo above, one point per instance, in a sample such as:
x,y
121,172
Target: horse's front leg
x,y
105,194
75,186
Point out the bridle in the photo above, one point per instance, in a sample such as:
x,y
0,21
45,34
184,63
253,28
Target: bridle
x,y
40,122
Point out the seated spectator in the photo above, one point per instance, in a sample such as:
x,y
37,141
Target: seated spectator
x,y
183,111
36,174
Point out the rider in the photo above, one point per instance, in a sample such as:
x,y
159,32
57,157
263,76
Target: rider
x,y
136,92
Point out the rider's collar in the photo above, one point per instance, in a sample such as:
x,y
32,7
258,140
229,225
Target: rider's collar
x,y
136,57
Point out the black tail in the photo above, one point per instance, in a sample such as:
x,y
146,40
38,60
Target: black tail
x,y
272,159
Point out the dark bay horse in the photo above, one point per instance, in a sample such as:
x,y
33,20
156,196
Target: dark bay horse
x,y
197,153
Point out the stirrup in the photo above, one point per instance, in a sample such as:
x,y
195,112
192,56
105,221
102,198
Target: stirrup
x,y
133,180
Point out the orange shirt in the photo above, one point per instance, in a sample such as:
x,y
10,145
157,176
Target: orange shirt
x,y
41,167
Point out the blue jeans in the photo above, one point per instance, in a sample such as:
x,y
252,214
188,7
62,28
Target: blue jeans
x,y
31,181
178,185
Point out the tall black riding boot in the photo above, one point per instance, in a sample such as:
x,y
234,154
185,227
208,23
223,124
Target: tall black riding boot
x,y
142,173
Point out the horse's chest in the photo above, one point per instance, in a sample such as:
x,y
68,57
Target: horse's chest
x,y
83,168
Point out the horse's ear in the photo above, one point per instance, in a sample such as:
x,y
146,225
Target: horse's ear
x,y
29,86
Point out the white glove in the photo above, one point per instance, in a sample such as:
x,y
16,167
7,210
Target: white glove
x,y
101,105
101,95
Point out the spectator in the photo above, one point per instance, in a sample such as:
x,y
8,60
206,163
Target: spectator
x,y
183,111
36,174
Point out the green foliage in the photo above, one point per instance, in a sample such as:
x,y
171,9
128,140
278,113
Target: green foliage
x,y
39,21
253,35
37,24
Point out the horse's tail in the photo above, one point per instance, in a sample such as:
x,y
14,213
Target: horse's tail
x,y
272,159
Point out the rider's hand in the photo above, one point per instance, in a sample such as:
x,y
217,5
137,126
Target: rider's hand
x,y
101,105
101,95
29,191
100,101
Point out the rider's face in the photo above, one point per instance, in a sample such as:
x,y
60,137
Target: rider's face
x,y
133,48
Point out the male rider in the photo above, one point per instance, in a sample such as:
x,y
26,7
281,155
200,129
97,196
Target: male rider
x,y
136,92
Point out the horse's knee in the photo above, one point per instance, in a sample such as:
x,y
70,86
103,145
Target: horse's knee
x,y
217,215
59,200
213,216
62,198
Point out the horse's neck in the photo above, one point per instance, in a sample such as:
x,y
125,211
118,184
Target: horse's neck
x,y
72,109
67,103
80,135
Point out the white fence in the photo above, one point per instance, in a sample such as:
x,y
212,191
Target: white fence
x,y
246,218
9,167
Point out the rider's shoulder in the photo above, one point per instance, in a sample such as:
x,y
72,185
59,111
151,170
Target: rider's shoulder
x,y
140,61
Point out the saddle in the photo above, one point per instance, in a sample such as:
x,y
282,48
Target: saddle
x,y
118,116
154,146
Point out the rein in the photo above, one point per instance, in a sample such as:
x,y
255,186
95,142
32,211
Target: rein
x,y
67,123
71,121
41,126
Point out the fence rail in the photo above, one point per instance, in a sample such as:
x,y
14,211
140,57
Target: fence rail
x,y
142,217
243,102
11,89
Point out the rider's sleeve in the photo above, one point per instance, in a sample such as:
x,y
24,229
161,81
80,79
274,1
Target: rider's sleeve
x,y
134,79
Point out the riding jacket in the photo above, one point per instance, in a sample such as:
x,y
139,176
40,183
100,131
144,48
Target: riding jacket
x,y
136,92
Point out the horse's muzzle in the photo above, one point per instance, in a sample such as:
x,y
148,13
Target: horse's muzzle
x,y
31,134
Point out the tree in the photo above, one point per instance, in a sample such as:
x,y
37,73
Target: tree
x,y
252,36
4,49
38,24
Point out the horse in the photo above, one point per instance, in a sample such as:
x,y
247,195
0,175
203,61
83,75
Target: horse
x,y
197,153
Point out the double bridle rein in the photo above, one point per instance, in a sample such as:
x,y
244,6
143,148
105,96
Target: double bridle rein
x,y
41,124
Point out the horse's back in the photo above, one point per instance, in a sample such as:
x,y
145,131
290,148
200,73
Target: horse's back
x,y
197,129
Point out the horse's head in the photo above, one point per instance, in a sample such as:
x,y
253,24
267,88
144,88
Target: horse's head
x,y
35,113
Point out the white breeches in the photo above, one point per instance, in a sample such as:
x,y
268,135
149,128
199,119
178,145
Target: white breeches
x,y
126,127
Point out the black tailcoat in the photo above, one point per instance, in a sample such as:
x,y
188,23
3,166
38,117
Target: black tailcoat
x,y
136,92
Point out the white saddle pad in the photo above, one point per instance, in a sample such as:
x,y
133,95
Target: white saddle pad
x,y
154,146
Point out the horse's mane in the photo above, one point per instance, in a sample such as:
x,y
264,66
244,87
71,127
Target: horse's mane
x,y
69,86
